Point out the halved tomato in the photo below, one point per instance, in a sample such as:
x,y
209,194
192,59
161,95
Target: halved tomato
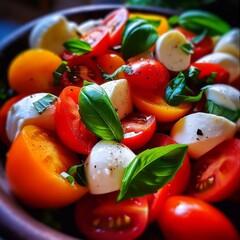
x,y
115,22
69,126
138,129
81,68
101,217
216,175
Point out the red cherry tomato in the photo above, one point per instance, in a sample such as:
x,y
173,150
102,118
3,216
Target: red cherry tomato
x,y
69,126
148,74
202,48
138,129
216,175
184,217
81,68
207,68
99,39
176,186
101,217
115,22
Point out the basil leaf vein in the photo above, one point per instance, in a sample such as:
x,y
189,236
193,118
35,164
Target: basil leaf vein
x,y
98,113
151,170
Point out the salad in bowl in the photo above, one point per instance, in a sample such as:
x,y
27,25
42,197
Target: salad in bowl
x,y
126,125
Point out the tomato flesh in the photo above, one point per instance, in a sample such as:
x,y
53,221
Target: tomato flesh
x,y
101,217
138,129
216,175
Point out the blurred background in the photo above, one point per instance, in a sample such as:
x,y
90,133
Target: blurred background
x,y
14,13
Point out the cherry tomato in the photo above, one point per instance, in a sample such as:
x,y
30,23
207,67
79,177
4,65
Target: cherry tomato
x,y
3,117
148,74
110,62
82,68
148,102
201,48
176,186
207,68
69,126
216,175
184,217
138,129
99,39
115,22
101,217
34,165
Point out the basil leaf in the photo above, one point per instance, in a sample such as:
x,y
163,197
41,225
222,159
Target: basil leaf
x,y
123,68
77,46
199,20
98,113
151,170
187,48
155,23
43,103
213,108
57,75
138,37
197,39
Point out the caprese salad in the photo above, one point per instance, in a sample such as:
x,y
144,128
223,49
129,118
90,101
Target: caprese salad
x,y
132,120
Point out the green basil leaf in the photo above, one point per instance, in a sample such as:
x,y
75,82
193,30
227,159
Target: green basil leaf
x,y
197,39
155,23
123,68
151,170
98,113
176,87
213,108
77,46
138,37
187,48
43,103
199,20
57,75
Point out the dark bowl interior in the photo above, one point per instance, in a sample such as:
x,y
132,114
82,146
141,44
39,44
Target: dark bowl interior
x,y
17,221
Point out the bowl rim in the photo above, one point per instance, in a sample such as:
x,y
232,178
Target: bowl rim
x,y
14,219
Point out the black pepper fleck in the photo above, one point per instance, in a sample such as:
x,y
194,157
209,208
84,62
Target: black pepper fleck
x,y
199,132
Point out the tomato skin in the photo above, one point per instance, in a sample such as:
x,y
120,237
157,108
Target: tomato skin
x,y
101,217
99,39
110,62
207,68
138,129
184,217
202,48
69,126
3,117
82,68
217,172
176,186
115,22
148,74
36,179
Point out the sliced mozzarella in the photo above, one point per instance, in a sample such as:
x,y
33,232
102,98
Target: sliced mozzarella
x,y
202,132
223,95
120,96
24,113
88,25
169,52
105,165
226,60
229,43
51,32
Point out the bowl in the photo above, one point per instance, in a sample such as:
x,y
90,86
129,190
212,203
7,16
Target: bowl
x,y
16,220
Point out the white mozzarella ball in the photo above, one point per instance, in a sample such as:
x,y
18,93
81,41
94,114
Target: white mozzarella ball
x,y
24,113
119,93
202,132
169,51
105,165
